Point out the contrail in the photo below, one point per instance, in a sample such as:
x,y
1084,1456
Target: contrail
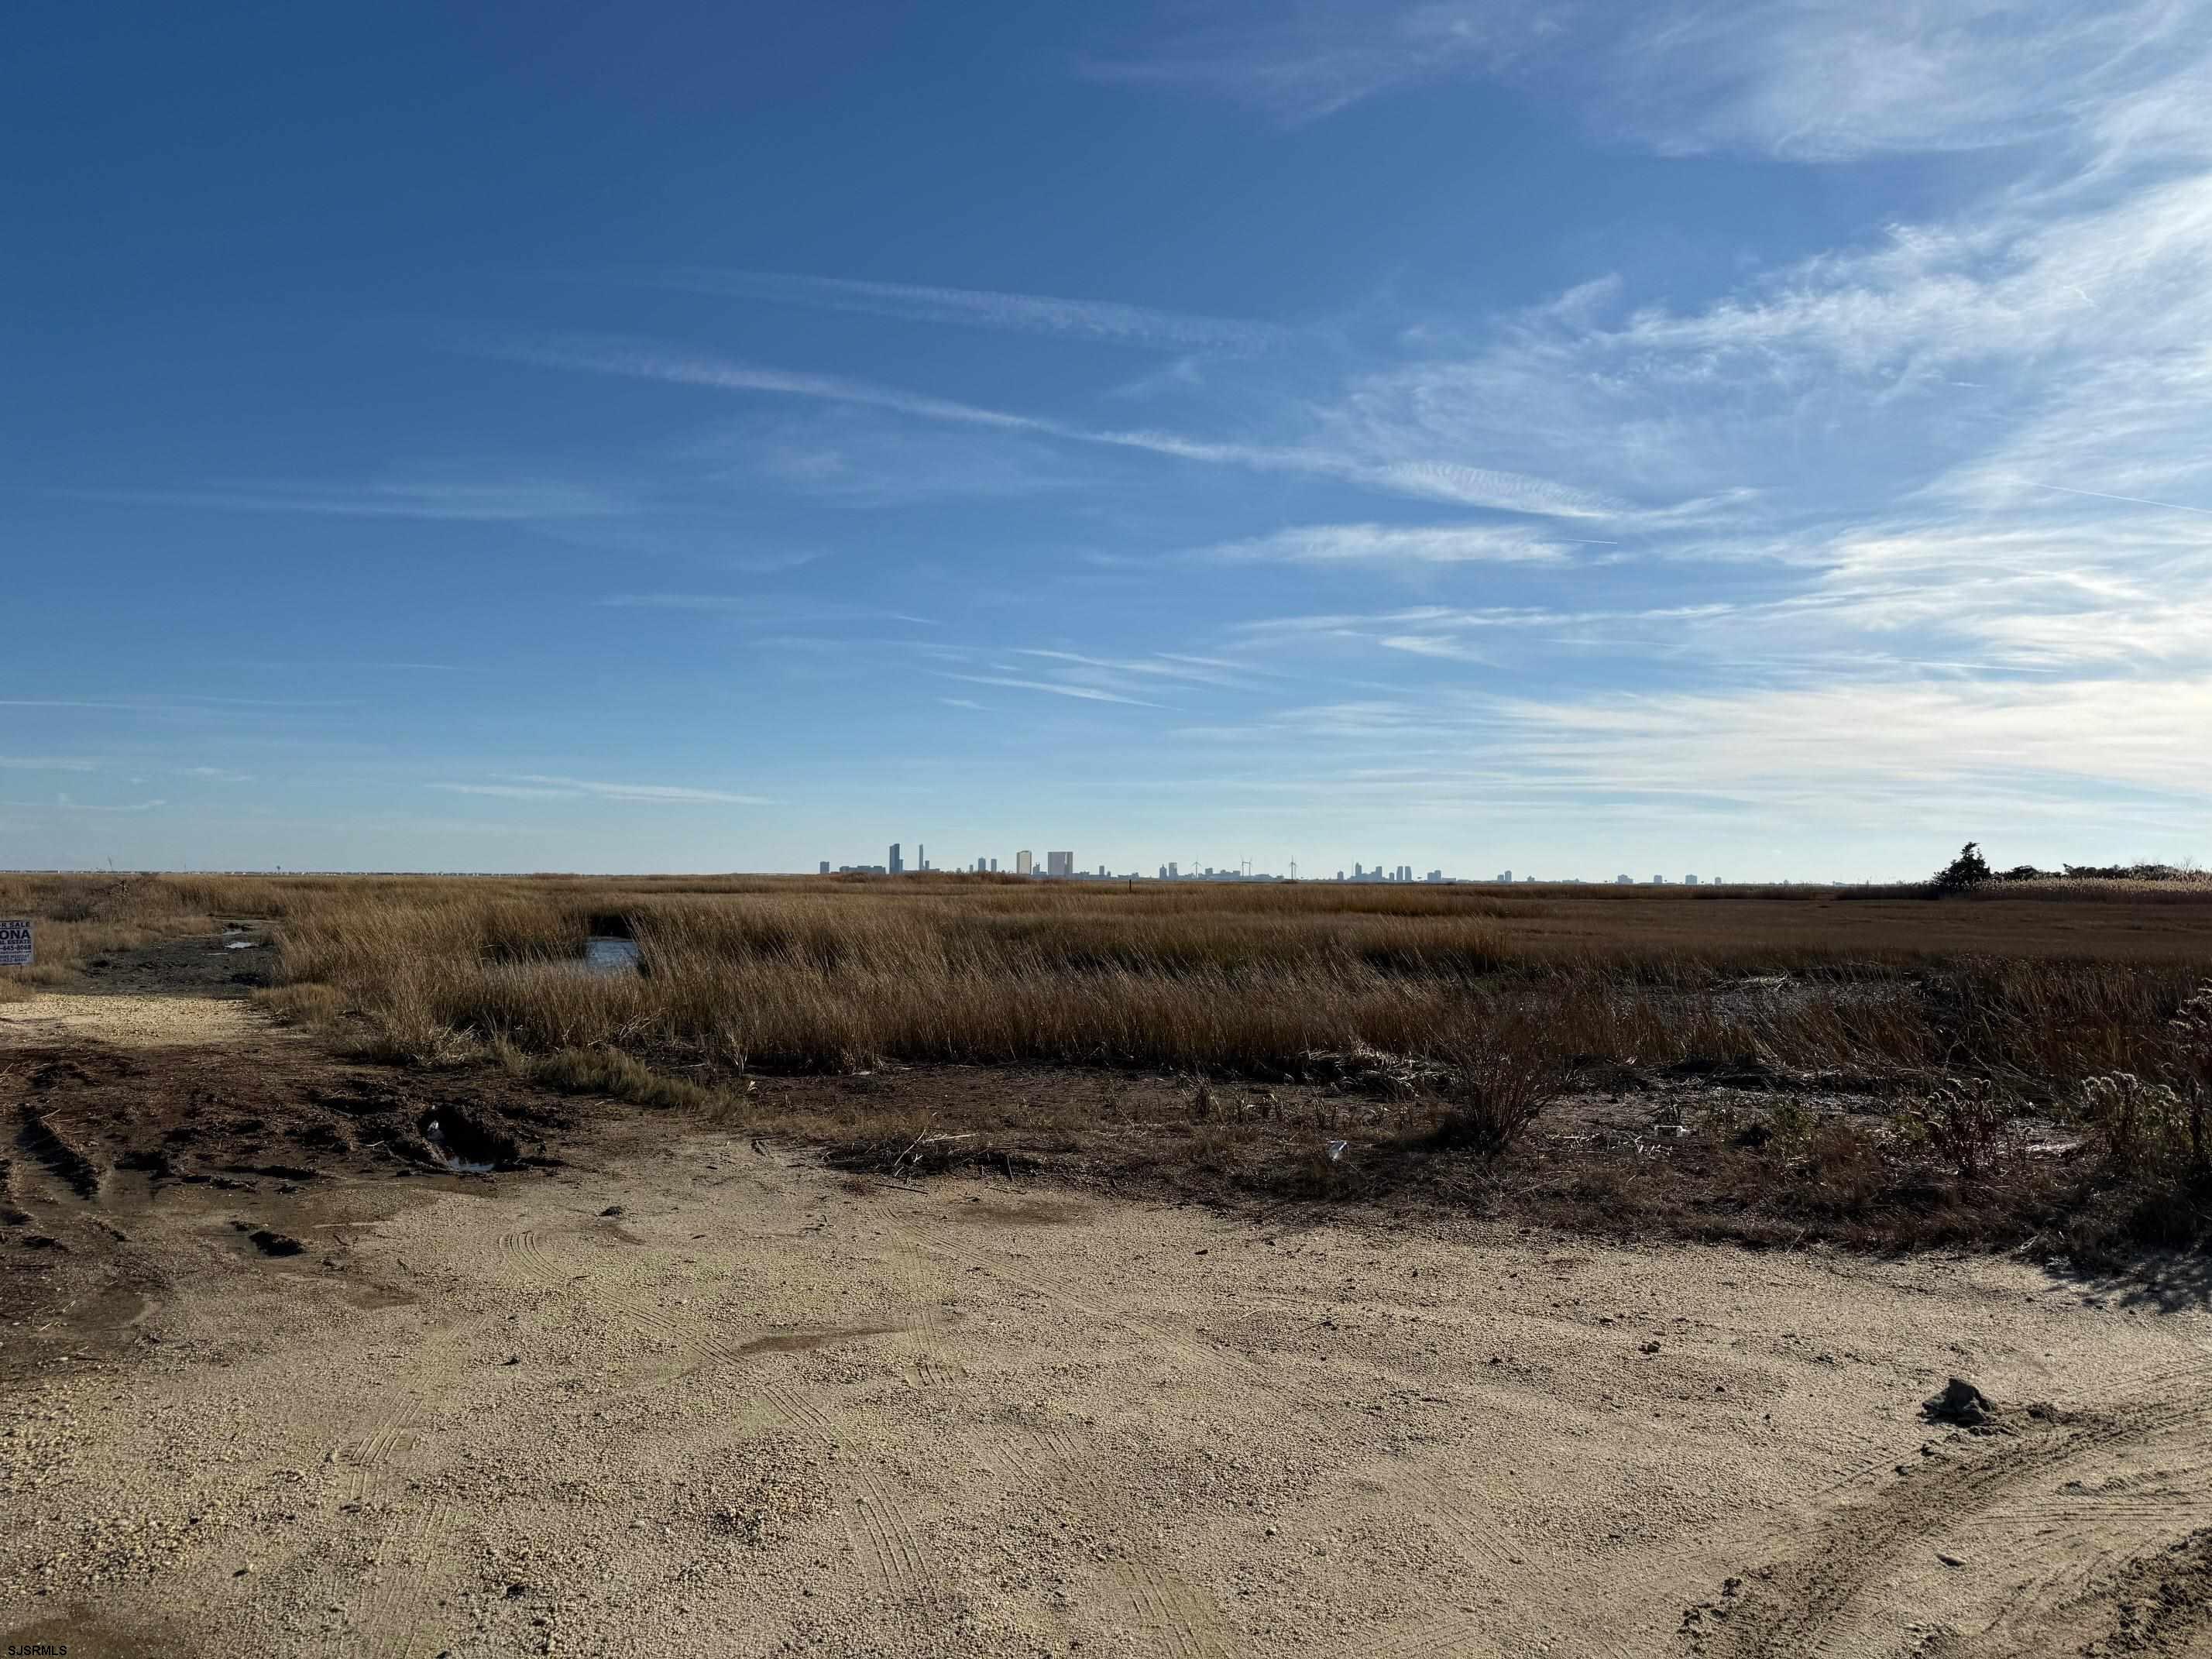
x,y
2139,500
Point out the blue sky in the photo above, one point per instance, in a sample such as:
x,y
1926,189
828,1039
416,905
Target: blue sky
x,y
1763,439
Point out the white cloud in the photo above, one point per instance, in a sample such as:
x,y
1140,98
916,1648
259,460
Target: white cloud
x,y
1086,693
755,608
47,764
676,793
536,786
462,502
1812,79
1357,543
69,803
1424,478
1162,665
1033,313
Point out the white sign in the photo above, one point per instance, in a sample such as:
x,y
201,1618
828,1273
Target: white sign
x,y
15,943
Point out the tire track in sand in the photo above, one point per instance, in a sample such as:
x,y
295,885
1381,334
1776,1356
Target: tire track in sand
x,y
892,1557
1184,1623
393,1620
1803,1600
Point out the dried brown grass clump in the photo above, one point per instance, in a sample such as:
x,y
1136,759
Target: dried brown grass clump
x,y
1492,1094
611,1072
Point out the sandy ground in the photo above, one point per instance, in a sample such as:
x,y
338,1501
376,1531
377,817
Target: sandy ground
x,y
689,1393
123,1022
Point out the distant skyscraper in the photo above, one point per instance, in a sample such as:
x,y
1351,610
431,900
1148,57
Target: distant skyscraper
x,y
1059,864
921,856
825,867
895,863
994,864
1658,881
1022,864
1689,881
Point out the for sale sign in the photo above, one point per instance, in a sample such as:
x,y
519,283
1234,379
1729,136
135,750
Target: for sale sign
x,y
15,943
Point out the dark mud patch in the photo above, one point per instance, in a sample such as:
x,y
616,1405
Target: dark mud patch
x,y
269,1241
43,1141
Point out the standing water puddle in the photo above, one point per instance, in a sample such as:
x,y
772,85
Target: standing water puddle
x,y
605,955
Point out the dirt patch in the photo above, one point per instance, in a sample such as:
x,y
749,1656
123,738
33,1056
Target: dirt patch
x,y
1168,1431
126,1021
1018,1212
112,1144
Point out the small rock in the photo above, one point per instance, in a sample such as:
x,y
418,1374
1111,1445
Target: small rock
x,y
1949,1560
613,1209
1960,1402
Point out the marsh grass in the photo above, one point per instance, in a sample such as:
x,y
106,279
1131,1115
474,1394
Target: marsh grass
x,y
1957,1021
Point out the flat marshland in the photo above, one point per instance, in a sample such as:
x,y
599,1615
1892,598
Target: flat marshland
x,y
2030,1061
950,1268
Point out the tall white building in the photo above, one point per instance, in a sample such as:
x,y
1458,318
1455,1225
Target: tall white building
x,y
1059,864
1022,864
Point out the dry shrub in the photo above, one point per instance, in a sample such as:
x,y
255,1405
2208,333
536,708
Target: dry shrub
x,y
1493,1091
2142,1127
1965,1122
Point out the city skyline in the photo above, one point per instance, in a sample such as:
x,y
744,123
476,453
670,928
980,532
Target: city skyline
x,y
1061,866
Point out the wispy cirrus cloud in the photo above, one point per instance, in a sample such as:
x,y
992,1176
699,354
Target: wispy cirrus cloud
x,y
762,609
1105,321
1818,81
1409,545
1057,688
1427,479
537,786
47,764
1163,665
69,803
1302,63
462,502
